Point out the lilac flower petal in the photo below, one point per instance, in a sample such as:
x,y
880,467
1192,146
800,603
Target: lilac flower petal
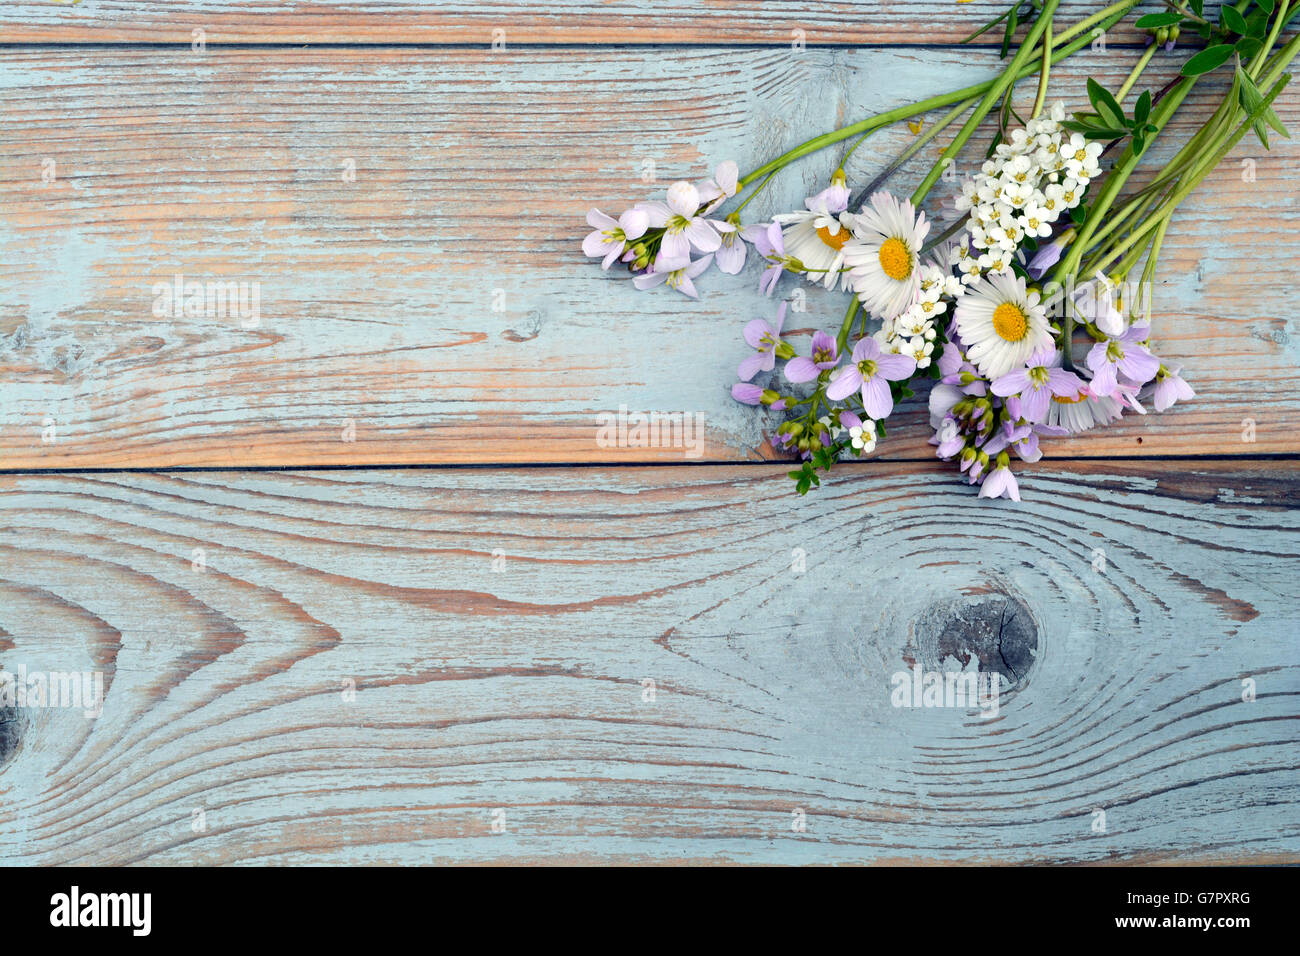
x,y
849,420
800,369
995,483
727,174
780,316
749,394
1012,487
822,342
1011,383
895,367
1028,449
596,244
845,384
1044,259
648,280
1139,365
683,198
731,258
703,236
1034,404
1097,355
634,223
616,248
1063,383
750,366
876,397
768,280
656,211
698,266
866,349
1103,382
754,332
599,221
942,399
675,248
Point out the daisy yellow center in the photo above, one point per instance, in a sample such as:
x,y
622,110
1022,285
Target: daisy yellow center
x,y
895,259
836,241
1067,399
1010,322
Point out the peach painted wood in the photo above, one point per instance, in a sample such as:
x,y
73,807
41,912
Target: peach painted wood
x,y
411,218
582,23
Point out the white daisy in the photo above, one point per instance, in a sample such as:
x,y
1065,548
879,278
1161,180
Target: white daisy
x,y
816,237
1001,324
883,258
1083,411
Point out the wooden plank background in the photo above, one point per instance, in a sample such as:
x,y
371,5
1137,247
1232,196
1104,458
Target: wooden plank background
x,y
500,624
581,23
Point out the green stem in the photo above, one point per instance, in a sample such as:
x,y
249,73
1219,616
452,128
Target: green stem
x,y
842,339
1135,73
1106,18
1044,72
939,126
1257,63
761,187
1009,76
1201,171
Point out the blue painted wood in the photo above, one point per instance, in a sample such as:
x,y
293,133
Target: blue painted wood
x,y
439,303
500,628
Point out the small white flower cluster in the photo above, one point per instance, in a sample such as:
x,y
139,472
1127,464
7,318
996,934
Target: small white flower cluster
x,y
913,332
1031,180
862,437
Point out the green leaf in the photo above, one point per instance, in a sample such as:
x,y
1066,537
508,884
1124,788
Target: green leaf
x,y
1247,47
1198,7
1252,101
1105,134
1232,20
1012,22
1211,58
1153,21
1139,144
1142,110
990,25
1265,5
1257,25
1205,30
1078,214
1105,104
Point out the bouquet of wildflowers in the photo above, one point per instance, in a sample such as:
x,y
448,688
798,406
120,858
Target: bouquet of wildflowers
x,y
1026,302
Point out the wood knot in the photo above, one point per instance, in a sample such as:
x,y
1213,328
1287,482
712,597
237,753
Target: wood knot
x,y
997,630
13,723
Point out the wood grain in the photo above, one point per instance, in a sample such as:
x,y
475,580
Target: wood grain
x,y
440,306
586,22
499,626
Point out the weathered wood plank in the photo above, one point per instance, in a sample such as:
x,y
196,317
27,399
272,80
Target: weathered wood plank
x,y
587,22
379,296
499,627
